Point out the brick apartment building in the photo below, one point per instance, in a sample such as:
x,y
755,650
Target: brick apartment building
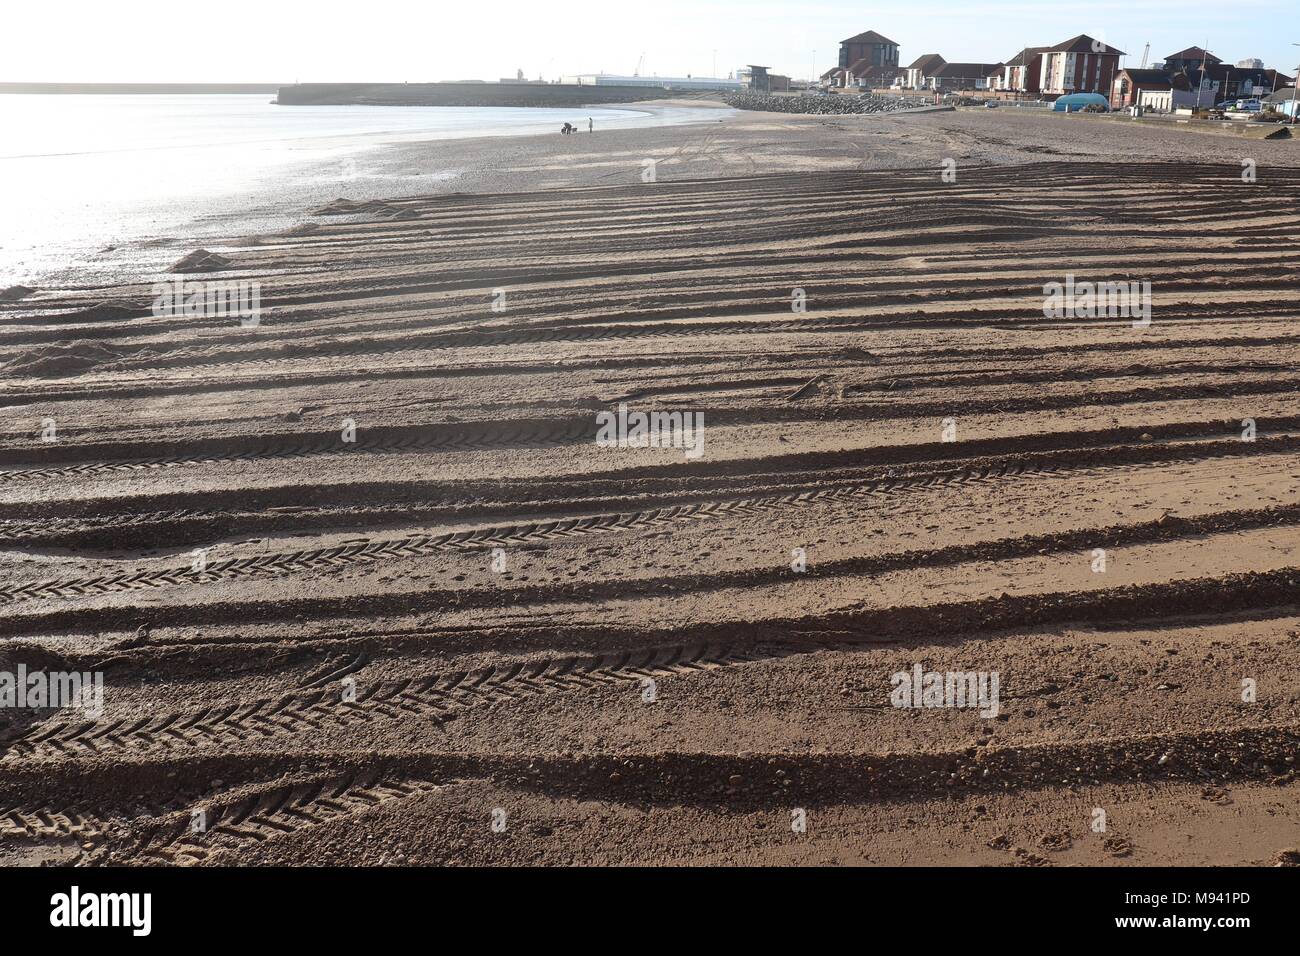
x,y
1080,65
867,50
1023,72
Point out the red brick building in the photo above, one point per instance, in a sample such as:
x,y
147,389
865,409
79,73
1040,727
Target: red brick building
x,y
1080,65
1023,72
871,47
1129,83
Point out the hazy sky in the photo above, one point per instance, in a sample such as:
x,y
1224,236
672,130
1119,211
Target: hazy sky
x,y
388,40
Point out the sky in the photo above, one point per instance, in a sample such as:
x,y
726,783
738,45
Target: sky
x,y
271,41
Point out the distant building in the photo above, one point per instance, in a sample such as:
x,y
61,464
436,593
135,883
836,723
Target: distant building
x,y
1130,83
1189,59
866,60
1284,101
919,76
871,47
1219,82
1164,101
964,76
1023,72
1191,76
760,80
1080,65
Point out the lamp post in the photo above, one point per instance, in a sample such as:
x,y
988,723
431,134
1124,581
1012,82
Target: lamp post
x,y
1295,87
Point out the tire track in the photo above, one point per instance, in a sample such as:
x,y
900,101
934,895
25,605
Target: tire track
x,y
274,812
17,823
346,556
412,438
279,811
435,697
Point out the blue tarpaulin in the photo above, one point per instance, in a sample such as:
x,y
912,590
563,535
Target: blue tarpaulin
x,y
1073,102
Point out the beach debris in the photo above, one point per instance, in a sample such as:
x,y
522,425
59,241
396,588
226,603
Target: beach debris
x,y
858,352
15,292
201,260
807,387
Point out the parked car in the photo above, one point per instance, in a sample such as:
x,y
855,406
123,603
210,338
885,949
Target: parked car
x,y
1246,106
990,104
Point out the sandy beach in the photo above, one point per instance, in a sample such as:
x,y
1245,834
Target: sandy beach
x,y
755,143
365,588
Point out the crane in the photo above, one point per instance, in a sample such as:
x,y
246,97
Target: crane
x,y
1145,55
639,64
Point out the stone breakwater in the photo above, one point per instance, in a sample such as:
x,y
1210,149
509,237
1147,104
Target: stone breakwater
x,y
463,94
828,105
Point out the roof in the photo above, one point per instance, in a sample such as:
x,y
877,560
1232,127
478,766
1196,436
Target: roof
x,y
1148,76
980,70
864,69
1281,96
871,36
928,63
1221,71
1193,53
1026,56
1084,44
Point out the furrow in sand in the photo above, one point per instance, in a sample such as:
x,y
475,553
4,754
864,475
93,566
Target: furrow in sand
x,y
344,664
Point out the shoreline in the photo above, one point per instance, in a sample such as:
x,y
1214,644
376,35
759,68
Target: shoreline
x,y
126,244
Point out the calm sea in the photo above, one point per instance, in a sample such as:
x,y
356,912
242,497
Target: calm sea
x,y
84,180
